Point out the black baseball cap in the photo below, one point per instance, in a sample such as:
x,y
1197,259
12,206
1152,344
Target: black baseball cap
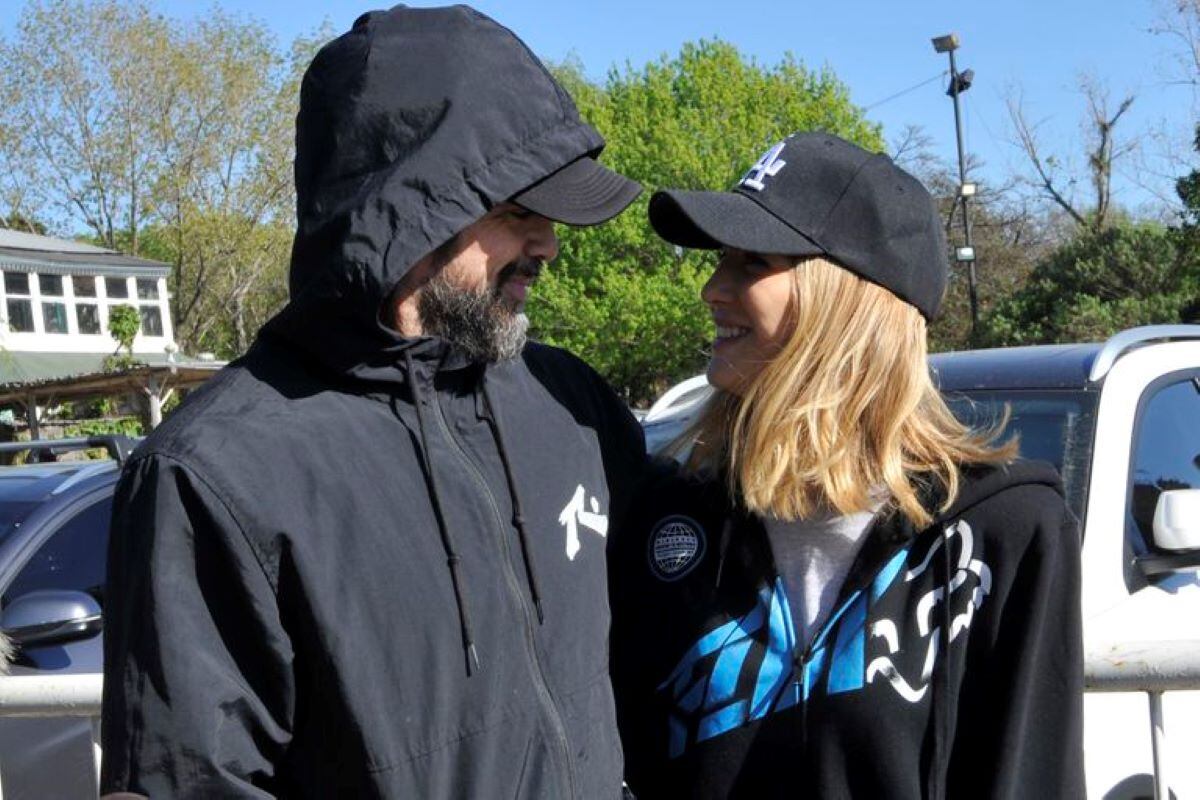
x,y
815,194
584,192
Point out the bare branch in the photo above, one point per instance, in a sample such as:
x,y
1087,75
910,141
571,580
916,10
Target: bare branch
x,y
1046,179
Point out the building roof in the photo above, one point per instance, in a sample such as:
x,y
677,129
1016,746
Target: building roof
x,y
73,376
29,252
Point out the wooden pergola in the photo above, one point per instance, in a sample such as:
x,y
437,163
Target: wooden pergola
x,y
156,382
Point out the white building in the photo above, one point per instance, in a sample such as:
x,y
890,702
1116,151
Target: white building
x,y
55,299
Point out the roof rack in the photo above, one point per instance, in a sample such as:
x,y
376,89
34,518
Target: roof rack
x,y
1123,342
118,446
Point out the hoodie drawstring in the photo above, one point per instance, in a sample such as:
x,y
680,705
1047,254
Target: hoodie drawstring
x,y
940,698
493,421
726,534
452,557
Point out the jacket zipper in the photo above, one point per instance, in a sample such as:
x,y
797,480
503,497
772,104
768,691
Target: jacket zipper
x,y
538,671
852,583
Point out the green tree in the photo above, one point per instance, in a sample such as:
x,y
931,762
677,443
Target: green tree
x,y
1101,282
85,85
227,205
124,323
166,139
619,296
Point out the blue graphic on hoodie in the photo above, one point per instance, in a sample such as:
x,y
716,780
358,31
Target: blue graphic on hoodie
x,y
749,668
724,681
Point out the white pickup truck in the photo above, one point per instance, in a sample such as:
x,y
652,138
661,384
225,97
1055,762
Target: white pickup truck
x,y
1121,421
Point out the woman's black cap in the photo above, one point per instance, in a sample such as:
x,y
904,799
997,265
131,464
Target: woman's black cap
x,y
814,194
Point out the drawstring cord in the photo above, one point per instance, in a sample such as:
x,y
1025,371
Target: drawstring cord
x,y
452,557
941,670
518,518
723,546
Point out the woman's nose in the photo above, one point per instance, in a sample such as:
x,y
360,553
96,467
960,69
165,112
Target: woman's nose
x,y
717,287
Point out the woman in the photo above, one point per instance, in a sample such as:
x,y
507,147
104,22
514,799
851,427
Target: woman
x,y
843,592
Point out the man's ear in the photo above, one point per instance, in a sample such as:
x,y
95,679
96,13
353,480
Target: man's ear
x,y
400,311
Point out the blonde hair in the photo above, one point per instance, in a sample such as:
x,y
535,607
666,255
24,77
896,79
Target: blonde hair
x,y
845,409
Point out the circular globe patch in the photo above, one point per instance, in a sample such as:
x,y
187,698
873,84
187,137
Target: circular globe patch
x,y
676,547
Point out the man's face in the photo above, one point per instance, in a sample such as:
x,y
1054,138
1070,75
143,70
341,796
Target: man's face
x,y
502,252
472,290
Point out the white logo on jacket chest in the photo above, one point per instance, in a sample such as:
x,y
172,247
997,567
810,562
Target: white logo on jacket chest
x,y
576,513
966,588
676,546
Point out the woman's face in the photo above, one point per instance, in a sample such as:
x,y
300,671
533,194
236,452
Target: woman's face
x,y
749,295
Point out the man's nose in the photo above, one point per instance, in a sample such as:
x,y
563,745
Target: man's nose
x,y
542,242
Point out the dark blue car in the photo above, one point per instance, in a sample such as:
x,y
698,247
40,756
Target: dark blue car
x,y
54,521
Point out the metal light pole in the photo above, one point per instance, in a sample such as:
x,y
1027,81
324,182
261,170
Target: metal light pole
x,y
960,82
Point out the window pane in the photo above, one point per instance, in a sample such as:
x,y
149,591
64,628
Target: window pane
x,y
88,317
1168,450
72,558
84,285
116,287
151,321
20,316
147,289
54,317
51,285
16,282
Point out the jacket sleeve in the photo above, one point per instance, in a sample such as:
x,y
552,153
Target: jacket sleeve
x,y
1020,723
623,448
198,689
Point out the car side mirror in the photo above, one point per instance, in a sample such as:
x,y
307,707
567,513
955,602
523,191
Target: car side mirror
x,y
50,616
1177,520
1176,533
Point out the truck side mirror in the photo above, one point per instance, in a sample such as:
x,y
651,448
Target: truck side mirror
x,y
1177,520
1176,534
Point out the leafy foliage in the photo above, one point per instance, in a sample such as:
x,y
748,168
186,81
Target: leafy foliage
x,y
166,139
121,362
124,323
617,295
1101,282
118,426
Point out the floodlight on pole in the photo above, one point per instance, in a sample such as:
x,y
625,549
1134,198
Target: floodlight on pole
x,y
959,83
944,44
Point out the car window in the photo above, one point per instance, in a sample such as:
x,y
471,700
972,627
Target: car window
x,y
1166,451
1053,426
71,558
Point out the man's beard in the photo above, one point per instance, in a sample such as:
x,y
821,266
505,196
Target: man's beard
x,y
479,321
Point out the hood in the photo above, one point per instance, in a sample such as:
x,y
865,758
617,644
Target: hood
x,y
981,482
411,126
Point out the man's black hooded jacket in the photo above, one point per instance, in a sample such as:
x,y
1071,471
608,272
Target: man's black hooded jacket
x,y
355,564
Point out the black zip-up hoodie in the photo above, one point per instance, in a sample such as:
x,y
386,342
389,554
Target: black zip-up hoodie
x,y
359,565
900,694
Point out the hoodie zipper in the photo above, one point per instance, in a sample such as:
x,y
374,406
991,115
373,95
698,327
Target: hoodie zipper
x,y
538,671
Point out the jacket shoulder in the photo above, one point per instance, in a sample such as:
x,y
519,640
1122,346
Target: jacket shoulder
x,y
248,413
543,359
571,381
1021,515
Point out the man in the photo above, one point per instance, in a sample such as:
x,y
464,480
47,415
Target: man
x,y
367,559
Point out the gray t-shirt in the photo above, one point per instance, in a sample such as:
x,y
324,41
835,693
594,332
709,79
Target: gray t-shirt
x,y
813,557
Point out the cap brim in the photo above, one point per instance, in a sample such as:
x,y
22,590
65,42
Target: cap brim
x,y
582,193
712,220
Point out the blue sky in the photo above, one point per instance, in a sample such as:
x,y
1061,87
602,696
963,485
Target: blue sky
x,y
878,48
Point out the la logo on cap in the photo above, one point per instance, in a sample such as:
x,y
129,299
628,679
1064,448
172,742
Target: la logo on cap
x,y
766,167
